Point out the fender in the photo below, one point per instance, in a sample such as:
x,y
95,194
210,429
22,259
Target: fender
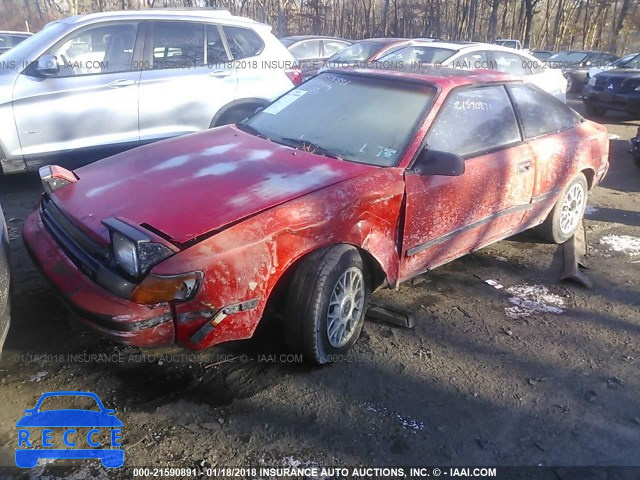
x,y
243,102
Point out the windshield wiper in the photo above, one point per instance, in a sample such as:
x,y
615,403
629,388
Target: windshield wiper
x,y
245,127
307,146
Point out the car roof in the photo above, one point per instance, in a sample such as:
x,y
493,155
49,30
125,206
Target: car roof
x,y
193,14
14,32
313,37
383,40
433,75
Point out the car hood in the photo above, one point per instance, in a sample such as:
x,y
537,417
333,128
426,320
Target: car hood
x,y
193,185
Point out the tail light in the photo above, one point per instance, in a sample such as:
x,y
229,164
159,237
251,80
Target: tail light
x,y
295,75
54,177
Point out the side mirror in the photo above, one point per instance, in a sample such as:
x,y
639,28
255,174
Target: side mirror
x,y
435,162
47,66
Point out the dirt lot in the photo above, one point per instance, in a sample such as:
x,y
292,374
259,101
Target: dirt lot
x,y
537,373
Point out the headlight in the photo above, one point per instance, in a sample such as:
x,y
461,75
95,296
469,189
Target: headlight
x,y
592,81
126,253
134,252
637,89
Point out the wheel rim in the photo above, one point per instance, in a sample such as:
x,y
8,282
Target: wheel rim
x,y
345,307
569,83
572,208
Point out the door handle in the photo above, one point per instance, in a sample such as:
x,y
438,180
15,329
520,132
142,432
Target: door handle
x,y
121,83
524,167
220,74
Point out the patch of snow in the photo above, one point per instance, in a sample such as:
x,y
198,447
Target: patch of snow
x,y
407,423
622,243
589,210
37,377
532,299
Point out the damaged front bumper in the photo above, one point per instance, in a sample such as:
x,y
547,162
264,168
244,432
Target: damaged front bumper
x,y
124,321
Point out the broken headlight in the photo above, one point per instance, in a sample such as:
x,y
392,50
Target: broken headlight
x,y
134,252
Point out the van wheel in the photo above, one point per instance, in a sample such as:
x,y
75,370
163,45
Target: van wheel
x,y
564,219
593,110
327,302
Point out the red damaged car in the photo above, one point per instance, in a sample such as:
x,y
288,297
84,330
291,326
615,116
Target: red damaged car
x,y
351,181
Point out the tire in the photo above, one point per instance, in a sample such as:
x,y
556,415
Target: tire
x,y
565,217
593,110
571,83
234,115
317,302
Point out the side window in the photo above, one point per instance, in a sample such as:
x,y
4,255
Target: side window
x,y
474,121
471,61
243,42
508,62
540,112
16,39
333,46
215,48
305,50
5,41
97,49
177,45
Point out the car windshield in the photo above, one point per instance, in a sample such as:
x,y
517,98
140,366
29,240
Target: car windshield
x,y
69,402
28,51
628,62
507,43
358,52
418,54
360,119
568,57
287,42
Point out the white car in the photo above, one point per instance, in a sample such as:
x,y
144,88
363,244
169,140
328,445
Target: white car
x,y
483,56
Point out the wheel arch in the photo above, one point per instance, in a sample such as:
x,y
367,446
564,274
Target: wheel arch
x,y
589,174
241,103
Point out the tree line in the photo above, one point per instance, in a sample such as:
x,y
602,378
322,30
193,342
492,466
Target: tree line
x,y
610,25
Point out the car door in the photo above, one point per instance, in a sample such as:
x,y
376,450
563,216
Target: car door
x,y
92,101
448,216
180,92
547,126
330,47
478,59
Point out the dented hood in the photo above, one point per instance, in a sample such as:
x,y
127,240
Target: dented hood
x,y
190,186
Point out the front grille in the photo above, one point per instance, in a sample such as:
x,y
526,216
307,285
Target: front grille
x,y
91,258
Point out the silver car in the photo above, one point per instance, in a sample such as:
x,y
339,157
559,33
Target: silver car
x,y
4,281
96,84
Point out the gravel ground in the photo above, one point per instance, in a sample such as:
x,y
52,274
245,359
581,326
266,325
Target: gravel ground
x,y
539,372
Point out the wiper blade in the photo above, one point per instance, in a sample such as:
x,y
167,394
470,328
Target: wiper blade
x,y
245,127
307,146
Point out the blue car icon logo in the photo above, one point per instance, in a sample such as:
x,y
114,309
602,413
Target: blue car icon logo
x,y
36,433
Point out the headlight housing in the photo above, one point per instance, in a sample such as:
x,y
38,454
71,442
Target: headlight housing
x,y
54,177
592,81
134,252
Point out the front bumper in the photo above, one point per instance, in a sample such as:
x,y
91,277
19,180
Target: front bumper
x,y
624,102
120,319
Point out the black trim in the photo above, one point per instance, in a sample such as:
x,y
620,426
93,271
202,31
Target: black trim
x,y
508,211
85,254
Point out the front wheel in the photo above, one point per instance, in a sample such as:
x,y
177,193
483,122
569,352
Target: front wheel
x,y
326,305
564,219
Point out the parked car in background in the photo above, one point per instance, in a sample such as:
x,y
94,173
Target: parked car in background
x,y
472,56
542,55
575,64
628,61
96,84
394,174
8,39
360,53
5,282
616,89
509,43
634,148
311,51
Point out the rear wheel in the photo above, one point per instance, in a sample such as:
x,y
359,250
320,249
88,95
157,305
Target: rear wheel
x,y
326,305
234,115
564,219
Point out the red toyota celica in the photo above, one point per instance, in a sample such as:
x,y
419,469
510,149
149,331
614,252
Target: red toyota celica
x,y
354,180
